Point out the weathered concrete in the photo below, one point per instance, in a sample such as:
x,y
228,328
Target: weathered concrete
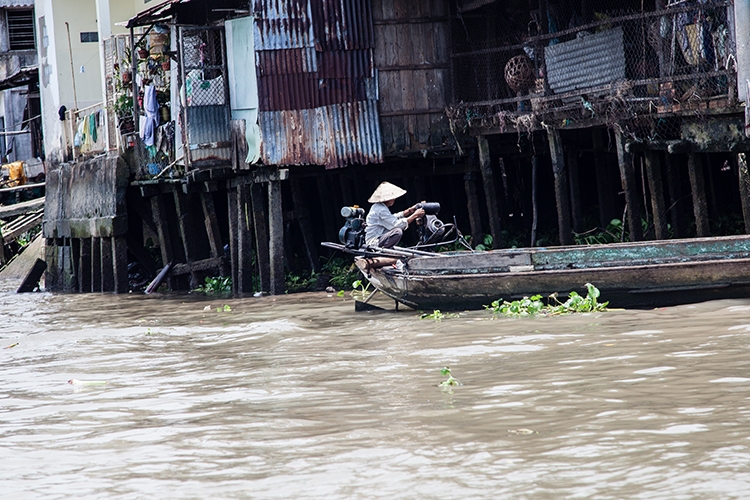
x,y
86,199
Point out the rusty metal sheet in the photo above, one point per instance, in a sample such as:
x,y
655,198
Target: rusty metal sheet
x,y
334,135
317,89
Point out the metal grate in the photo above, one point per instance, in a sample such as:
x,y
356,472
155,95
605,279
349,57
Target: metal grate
x,y
204,67
21,29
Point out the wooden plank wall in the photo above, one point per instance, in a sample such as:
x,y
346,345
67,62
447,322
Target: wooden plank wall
x,y
413,63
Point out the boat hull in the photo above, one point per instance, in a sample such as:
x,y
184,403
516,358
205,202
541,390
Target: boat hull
x,y
636,275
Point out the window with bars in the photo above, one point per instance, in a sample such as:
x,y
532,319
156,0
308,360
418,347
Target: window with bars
x,y
20,29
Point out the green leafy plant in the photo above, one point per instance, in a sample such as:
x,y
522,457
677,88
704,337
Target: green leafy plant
x,y
437,315
532,306
450,381
342,272
486,243
226,308
215,285
299,283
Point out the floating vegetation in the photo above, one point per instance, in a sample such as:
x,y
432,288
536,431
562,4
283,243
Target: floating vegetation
x,y
215,285
437,315
532,306
450,381
225,309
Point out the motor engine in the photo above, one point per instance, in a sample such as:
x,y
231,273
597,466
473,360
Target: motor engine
x,y
430,229
352,234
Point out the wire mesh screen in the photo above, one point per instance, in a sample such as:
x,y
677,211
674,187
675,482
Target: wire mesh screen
x,y
204,67
635,64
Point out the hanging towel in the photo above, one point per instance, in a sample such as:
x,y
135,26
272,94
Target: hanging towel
x,y
92,127
151,108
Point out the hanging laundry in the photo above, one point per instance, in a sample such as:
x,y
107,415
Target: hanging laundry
x,y
92,127
151,108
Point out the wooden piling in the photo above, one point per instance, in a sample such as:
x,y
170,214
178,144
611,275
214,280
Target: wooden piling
x,y
276,237
475,219
698,189
675,196
744,189
328,208
96,264
562,193
656,187
576,209
305,225
629,185
260,223
84,266
490,194
120,263
159,214
244,241
213,231
108,269
185,225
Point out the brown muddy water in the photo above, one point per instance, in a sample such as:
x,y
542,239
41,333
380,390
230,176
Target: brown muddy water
x,y
299,397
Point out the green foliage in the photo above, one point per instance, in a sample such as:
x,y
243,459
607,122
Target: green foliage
x,y
486,243
532,306
437,315
216,285
598,236
343,272
450,381
226,308
298,283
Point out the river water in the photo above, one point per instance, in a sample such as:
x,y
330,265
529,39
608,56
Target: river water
x,y
300,397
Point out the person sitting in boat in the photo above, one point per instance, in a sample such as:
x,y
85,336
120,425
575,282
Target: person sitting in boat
x,y
384,229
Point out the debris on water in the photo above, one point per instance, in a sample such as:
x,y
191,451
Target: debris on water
x,y
522,431
11,346
207,308
75,381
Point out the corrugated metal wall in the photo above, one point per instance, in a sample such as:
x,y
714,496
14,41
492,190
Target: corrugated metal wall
x,y
586,62
316,82
412,60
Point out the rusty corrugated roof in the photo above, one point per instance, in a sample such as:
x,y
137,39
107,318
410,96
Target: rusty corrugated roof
x,y
316,82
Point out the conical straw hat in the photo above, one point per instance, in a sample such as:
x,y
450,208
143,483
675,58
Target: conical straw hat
x,y
386,191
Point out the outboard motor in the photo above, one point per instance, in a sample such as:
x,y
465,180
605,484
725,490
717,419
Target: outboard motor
x,y
430,229
352,235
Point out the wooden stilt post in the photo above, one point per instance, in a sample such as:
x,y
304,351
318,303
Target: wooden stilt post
x,y
698,188
675,196
475,219
603,189
276,237
244,241
490,194
108,268
534,207
629,185
185,224
51,253
653,174
260,222
84,266
159,213
303,219
96,264
120,263
562,192
75,260
232,210
744,189
576,209
212,227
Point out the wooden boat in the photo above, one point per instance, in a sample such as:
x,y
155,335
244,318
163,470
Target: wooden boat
x,y
642,274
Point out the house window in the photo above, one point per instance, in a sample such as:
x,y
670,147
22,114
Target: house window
x,y
20,29
89,36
